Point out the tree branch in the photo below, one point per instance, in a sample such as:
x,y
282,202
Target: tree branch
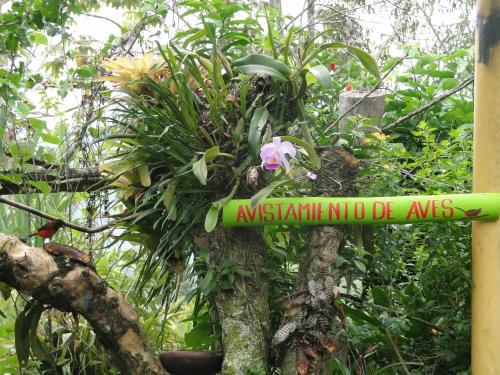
x,y
103,18
68,224
60,180
433,102
72,287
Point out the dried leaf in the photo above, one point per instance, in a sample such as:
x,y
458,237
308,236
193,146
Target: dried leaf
x,y
301,361
330,344
310,353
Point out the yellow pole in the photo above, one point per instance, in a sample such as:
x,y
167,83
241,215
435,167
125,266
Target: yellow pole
x,y
486,236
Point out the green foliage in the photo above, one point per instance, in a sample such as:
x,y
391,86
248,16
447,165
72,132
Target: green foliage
x,y
417,274
179,147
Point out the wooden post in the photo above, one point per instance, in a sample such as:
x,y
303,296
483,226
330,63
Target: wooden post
x,y
370,107
486,236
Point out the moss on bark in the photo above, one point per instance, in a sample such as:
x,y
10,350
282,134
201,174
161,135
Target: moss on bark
x,y
243,311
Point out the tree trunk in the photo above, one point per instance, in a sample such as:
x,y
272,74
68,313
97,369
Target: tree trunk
x,y
315,313
72,287
276,4
243,310
311,12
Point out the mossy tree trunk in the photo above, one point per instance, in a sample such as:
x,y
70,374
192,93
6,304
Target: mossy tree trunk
x,y
243,310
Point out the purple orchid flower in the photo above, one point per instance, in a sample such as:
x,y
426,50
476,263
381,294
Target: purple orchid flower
x,y
311,175
273,155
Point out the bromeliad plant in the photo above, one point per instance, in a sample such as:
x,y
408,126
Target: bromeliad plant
x,y
187,140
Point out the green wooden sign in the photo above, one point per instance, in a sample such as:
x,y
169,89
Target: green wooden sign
x,y
380,210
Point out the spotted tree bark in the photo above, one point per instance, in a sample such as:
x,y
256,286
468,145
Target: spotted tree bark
x,y
315,325
72,287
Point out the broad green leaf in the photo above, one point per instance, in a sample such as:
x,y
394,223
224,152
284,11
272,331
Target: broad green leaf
x,y
196,339
361,266
24,109
49,138
211,218
43,186
449,83
313,156
37,123
5,290
364,58
255,64
211,153
264,192
440,73
36,346
24,321
360,317
322,76
21,339
262,69
207,280
257,123
13,178
200,170
39,38
380,296
144,175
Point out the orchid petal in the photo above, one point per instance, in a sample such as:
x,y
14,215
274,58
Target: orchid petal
x,y
288,148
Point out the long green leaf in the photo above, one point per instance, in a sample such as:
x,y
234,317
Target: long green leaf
x,y
257,123
212,153
337,365
364,58
262,69
21,339
264,192
313,156
255,64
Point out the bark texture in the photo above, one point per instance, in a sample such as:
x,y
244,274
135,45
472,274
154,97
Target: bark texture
x,y
72,287
318,334
243,311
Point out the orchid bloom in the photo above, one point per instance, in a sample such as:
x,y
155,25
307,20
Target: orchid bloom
x,y
273,155
311,175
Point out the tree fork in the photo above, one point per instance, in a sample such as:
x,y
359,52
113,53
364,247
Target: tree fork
x,y
76,288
